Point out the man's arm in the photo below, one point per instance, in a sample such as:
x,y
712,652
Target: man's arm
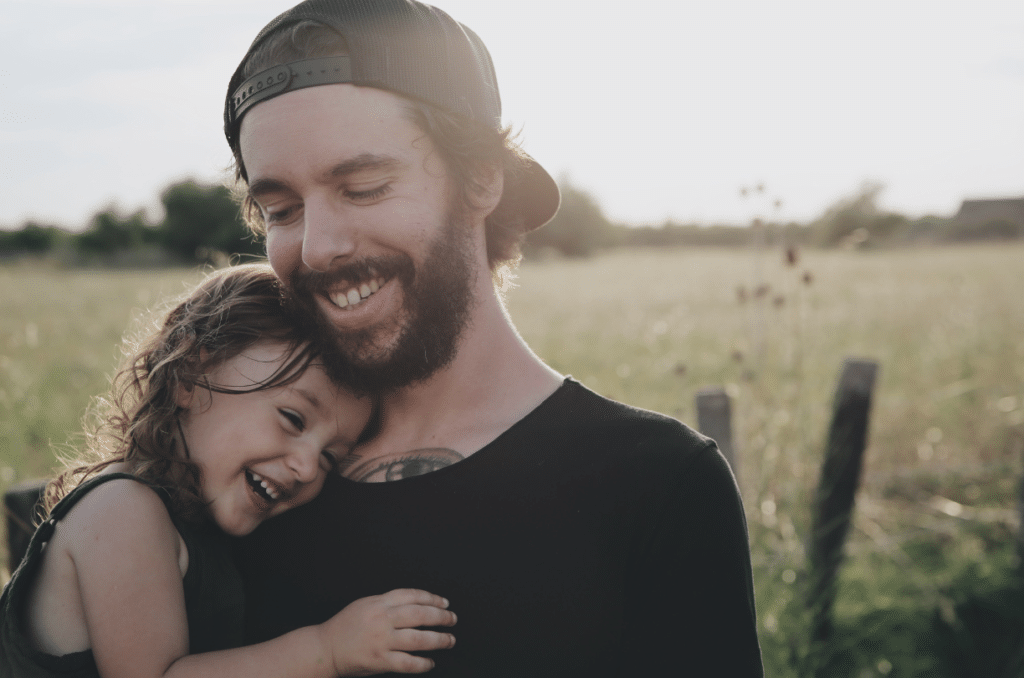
x,y
691,609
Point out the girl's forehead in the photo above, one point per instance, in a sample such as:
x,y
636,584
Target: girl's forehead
x,y
261,363
254,365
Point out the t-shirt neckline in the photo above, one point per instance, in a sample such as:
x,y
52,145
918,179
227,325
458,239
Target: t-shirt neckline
x,y
483,453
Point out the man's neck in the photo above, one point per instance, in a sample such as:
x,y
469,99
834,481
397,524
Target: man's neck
x,y
494,381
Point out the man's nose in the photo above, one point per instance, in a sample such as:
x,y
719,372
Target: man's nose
x,y
328,238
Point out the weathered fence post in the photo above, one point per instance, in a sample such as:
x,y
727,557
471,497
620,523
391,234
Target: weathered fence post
x,y
20,502
833,501
714,419
1020,532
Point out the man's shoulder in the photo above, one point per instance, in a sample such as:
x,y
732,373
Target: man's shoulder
x,y
576,412
575,404
642,457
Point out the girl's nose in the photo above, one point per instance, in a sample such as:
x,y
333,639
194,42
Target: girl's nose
x,y
304,462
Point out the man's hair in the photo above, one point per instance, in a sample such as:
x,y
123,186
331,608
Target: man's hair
x,y
471,150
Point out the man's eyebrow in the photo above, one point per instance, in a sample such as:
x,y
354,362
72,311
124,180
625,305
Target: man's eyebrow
x,y
360,163
265,187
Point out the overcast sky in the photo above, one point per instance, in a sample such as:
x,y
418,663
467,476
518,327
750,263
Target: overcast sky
x,y
661,113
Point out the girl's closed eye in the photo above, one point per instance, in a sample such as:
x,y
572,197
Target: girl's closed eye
x,y
329,461
294,419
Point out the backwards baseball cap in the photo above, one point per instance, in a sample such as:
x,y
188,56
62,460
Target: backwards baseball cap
x,y
407,47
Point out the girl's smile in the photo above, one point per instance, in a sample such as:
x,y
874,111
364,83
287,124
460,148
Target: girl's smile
x,y
262,452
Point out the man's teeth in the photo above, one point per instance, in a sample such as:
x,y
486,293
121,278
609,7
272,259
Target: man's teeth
x,y
355,295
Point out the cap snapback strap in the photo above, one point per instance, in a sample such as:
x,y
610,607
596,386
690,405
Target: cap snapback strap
x,y
289,77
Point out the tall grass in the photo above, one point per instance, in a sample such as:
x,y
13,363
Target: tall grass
x,y
60,333
937,504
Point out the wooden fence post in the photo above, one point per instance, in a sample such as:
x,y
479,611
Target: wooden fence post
x,y
20,503
714,419
833,501
1020,531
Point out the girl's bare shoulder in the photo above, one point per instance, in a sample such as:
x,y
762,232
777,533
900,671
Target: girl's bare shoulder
x,y
119,504
116,519
118,531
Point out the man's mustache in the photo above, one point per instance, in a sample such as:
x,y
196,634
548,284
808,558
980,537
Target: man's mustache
x,y
311,283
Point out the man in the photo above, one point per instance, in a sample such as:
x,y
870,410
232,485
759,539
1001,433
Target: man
x,y
574,536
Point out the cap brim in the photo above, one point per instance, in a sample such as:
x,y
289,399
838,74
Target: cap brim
x,y
536,196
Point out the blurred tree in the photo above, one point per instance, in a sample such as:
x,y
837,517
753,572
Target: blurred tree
x,y
202,220
857,219
108,232
578,228
32,239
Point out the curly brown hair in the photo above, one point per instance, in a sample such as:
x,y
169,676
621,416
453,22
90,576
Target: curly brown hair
x,y
471,150
137,423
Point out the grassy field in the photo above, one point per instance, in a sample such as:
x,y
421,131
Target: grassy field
x,y
936,517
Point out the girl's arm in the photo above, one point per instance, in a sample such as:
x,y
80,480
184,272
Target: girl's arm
x,y
126,555
371,635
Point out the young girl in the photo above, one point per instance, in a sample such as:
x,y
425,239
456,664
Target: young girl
x,y
224,416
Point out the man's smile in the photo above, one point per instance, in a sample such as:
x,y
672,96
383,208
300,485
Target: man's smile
x,y
351,295
346,289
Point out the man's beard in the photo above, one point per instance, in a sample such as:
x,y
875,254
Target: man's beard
x,y
422,339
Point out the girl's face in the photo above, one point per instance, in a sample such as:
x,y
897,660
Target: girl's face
x,y
264,452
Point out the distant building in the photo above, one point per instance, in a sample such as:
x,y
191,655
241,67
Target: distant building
x,y
981,215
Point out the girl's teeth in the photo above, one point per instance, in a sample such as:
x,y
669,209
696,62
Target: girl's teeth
x,y
266,486
353,297
364,290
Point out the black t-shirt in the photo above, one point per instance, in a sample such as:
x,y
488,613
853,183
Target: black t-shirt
x,y
589,539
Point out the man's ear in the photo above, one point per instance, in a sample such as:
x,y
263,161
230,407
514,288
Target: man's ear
x,y
492,185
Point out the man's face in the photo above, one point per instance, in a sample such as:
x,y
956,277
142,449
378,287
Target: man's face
x,y
362,227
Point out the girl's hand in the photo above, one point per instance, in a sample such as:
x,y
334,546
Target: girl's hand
x,y
375,634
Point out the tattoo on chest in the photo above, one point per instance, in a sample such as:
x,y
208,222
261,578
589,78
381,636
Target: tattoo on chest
x,y
399,466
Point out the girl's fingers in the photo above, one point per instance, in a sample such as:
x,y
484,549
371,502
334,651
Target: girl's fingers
x,y
414,597
408,616
400,662
418,640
